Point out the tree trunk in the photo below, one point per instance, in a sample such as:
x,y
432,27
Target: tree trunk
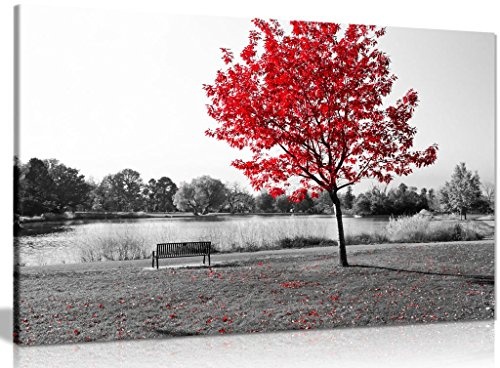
x,y
340,225
463,214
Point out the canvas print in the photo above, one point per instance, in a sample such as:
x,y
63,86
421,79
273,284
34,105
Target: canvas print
x,y
180,176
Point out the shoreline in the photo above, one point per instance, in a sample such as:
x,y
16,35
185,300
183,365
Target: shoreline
x,y
96,216
105,216
239,256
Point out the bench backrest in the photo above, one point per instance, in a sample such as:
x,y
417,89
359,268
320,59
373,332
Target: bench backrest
x,y
183,249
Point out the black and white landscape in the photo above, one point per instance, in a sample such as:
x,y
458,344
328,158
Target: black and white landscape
x,y
113,159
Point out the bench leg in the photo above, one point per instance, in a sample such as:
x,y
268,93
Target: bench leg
x,y
153,260
157,264
203,259
209,259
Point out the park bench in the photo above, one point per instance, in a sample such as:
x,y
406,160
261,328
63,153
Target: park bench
x,y
184,249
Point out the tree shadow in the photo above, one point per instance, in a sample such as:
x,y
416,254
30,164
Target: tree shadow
x,y
213,266
476,279
172,333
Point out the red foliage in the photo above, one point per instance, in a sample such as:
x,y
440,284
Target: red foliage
x,y
309,104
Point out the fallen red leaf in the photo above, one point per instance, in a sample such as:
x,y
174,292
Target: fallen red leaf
x,y
292,284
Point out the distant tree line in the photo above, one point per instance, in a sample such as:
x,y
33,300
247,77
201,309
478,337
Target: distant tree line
x,y
43,186
48,186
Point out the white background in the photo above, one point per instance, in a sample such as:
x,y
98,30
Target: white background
x,y
473,16
127,91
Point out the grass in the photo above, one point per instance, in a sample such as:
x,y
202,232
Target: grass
x,y
286,291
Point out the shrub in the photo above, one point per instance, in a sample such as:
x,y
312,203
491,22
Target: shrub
x,y
408,229
113,245
304,242
365,238
421,229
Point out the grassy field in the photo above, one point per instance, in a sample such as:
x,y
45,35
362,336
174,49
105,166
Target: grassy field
x,y
386,285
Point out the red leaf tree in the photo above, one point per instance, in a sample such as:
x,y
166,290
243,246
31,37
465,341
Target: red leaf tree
x,y
309,105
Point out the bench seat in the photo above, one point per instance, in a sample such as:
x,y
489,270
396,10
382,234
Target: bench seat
x,y
184,249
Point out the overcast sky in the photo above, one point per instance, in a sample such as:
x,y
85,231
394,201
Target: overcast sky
x,y
102,91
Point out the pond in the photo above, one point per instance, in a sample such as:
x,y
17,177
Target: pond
x,y
99,240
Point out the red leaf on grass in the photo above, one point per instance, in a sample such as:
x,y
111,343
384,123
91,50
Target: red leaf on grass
x,y
292,284
334,297
212,273
473,292
314,313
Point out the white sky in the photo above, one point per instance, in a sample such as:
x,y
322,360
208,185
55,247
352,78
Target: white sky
x,y
102,91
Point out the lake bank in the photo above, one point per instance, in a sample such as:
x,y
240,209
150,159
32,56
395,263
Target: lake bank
x,y
89,216
75,216
88,241
260,292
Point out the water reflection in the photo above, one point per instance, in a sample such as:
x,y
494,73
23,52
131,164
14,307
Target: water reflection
x,y
41,228
463,344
